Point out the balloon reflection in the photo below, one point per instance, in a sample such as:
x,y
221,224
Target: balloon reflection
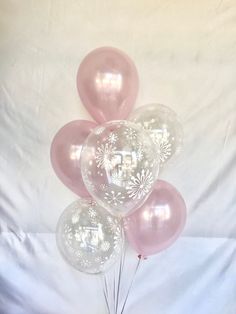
x,y
108,82
75,151
162,212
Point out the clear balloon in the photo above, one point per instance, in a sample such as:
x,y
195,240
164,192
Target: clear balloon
x,y
158,222
163,126
107,83
65,154
119,166
89,238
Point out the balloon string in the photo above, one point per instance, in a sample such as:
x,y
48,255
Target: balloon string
x,y
105,292
114,294
122,261
131,284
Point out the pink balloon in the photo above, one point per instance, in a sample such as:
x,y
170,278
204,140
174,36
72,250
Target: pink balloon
x,y
159,222
107,83
65,154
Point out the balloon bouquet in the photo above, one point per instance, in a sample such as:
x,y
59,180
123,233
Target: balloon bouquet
x,y
113,167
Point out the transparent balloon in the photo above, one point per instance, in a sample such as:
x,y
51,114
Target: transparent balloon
x,y
162,124
119,166
89,238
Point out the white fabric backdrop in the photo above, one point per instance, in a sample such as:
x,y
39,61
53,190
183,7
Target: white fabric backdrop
x,y
185,54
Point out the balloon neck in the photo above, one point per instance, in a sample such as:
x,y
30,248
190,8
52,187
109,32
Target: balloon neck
x,y
140,256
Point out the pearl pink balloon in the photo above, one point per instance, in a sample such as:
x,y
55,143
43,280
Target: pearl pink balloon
x,y
107,83
65,154
158,222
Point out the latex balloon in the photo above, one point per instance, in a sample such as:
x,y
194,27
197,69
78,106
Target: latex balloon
x,y
158,222
89,238
163,126
119,166
107,83
65,154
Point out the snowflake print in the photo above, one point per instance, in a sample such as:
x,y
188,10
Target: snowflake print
x,y
113,224
98,259
99,130
112,138
110,219
91,203
68,236
130,134
103,186
77,236
116,178
70,249
146,125
67,229
140,153
159,135
78,254
165,150
114,198
162,140
140,185
85,263
92,213
75,218
103,155
105,246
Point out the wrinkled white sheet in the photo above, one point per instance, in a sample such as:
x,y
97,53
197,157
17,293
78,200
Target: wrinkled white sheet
x,y
185,52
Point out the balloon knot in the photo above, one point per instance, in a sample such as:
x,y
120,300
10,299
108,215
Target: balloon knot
x,y
140,256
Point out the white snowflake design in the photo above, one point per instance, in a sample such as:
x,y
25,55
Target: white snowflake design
x,y
75,217
85,263
77,236
99,130
92,203
165,150
113,224
140,185
103,186
103,155
67,229
114,198
140,153
130,134
78,254
116,178
68,235
98,259
92,213
146,125
105,246
112,138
